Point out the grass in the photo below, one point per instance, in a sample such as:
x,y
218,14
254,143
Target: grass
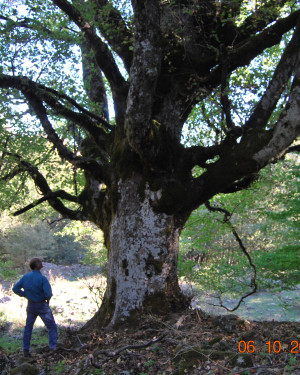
x,y
10,344
13,342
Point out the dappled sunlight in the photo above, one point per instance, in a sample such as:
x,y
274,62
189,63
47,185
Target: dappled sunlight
x,y
73,302
12,309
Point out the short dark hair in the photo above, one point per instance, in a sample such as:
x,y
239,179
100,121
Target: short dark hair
x,y
34,262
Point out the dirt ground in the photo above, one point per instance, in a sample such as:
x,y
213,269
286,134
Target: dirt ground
x,y
189,343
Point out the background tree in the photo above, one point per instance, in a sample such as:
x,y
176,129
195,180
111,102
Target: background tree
x,y
157,61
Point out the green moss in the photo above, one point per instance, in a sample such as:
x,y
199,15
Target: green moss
x,y
125,160
107,308
214,341
158,165
170,300
156,304
246,336
24,369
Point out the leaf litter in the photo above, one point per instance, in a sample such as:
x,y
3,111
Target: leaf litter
x,y
192,342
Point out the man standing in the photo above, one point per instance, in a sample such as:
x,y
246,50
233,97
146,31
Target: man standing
x,y
37,289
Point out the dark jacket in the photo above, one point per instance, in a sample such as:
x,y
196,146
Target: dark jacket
x,y
33,286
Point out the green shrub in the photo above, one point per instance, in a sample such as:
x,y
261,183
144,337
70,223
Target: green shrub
x,y
7,270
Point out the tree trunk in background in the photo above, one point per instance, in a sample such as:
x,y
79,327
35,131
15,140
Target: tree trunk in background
x,y
142,264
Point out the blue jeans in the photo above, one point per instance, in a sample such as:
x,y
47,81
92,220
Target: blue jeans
x,y
44,312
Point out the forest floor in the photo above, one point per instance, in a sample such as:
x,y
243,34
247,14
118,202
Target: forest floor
x,y
190,342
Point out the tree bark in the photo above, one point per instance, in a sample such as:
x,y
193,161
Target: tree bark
x,y
142,262
139,182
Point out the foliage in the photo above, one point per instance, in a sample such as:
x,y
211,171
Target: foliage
x,y
11,343
24,241
61,243
58,369
266,217
41,43
205,94
71,305
68,251
7,269
35,148
91,238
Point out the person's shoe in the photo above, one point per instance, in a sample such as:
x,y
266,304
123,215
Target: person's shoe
x,y
26,353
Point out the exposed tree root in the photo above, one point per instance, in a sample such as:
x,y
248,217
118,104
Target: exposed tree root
x,y
93,357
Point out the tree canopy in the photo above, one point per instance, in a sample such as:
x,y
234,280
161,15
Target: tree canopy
x,y
204,95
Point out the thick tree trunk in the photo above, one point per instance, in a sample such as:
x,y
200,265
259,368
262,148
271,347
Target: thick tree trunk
x,y
142,263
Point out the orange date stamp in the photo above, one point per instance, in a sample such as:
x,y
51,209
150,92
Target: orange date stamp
x,y
269,347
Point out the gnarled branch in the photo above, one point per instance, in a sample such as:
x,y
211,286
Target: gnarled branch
x,y
261,18
198,155
209,76
79,162
247,50
242,184
225,102
35,93
281,76
103,55
117,34
258,146
93,80
35,25
287,128
48,194
21,82
144,71
293,149
9,176
80,119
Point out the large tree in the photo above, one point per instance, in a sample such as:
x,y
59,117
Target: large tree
x,y
157,61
